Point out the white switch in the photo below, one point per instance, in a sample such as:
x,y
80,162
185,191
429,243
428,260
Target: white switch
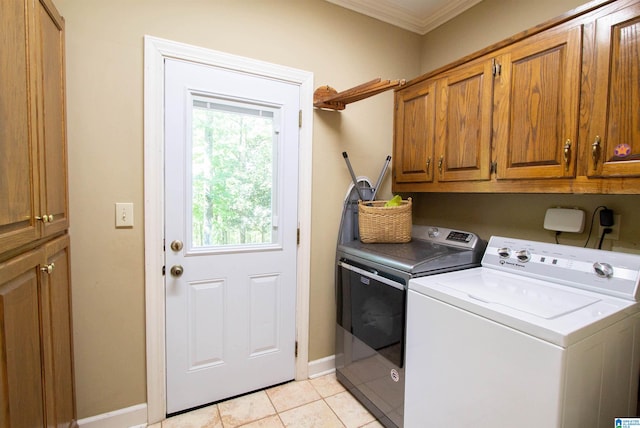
x,y
124,214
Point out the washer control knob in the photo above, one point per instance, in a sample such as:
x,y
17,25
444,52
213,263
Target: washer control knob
x,y
433,232
504,252
603,270
523,255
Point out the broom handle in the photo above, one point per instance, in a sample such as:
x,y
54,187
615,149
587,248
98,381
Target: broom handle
x,y
384,169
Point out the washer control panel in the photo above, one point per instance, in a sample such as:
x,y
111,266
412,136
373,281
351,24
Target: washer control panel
x,y
607,272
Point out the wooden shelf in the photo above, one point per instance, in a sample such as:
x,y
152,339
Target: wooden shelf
x,y
327,97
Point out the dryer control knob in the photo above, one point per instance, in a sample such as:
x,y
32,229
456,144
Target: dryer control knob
x,y
603,270
523,255
433,232
504,252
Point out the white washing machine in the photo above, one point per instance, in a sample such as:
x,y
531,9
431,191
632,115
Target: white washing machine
x,y
541,336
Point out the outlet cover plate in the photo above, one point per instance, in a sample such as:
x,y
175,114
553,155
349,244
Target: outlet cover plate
x,y
615,229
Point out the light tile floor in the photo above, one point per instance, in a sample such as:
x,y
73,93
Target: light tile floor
x,y
321,402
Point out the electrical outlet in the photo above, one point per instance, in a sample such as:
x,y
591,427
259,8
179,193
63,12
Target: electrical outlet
x,y
615,229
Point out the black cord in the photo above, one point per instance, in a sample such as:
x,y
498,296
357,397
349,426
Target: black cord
x,y
604,232
557,235
593,216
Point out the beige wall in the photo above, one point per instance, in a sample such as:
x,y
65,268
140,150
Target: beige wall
x,y
105,130
342,49
522,216
488,22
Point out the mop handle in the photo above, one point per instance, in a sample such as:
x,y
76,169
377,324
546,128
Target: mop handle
x,y
353,176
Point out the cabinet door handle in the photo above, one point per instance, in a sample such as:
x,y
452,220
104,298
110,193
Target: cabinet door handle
x,y
428,164
48,268
567,154
440,162
595,151
44,218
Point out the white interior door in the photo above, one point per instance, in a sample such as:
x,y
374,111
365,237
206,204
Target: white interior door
x,y
231,176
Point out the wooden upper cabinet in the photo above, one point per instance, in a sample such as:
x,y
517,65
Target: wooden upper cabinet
x,y
18,138
552,109
536,106
611,116
463,122
414,133
51,113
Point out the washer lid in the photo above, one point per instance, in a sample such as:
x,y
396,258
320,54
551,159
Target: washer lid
x,y
526,296
551,312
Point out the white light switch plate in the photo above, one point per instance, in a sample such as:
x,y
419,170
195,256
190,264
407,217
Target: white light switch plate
x,y
124,214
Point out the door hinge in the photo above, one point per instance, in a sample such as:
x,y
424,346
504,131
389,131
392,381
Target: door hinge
x,y
298,236
299,118
496,68
163,270
296,349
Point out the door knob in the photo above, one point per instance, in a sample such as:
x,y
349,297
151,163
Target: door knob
x,y
177,271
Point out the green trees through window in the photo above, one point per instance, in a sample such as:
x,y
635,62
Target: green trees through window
x,y
232,174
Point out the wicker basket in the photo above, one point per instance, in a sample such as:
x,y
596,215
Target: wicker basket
x,y
380,224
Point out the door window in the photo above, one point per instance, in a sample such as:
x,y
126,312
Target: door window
x,y
233,175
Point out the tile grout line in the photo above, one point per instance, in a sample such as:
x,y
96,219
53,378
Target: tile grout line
x,y
278,413
322,398
327,404
274,406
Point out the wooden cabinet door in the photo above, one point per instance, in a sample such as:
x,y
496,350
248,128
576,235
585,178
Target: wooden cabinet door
x,y
51,109
21,392
463,123
414,133
613,119
56,334
18,139
536,106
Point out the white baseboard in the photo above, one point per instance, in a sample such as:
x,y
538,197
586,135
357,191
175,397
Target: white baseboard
x,y
134,416
322,366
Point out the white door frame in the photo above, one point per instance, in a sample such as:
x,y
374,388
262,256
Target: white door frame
x,y
155,52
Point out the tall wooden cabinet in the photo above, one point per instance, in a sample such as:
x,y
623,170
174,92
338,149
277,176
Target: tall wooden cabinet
x,y
55,313
19,200
553,109
21,367
33,190
53,189
36,364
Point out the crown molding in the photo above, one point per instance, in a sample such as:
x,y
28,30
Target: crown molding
x,y
407,15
